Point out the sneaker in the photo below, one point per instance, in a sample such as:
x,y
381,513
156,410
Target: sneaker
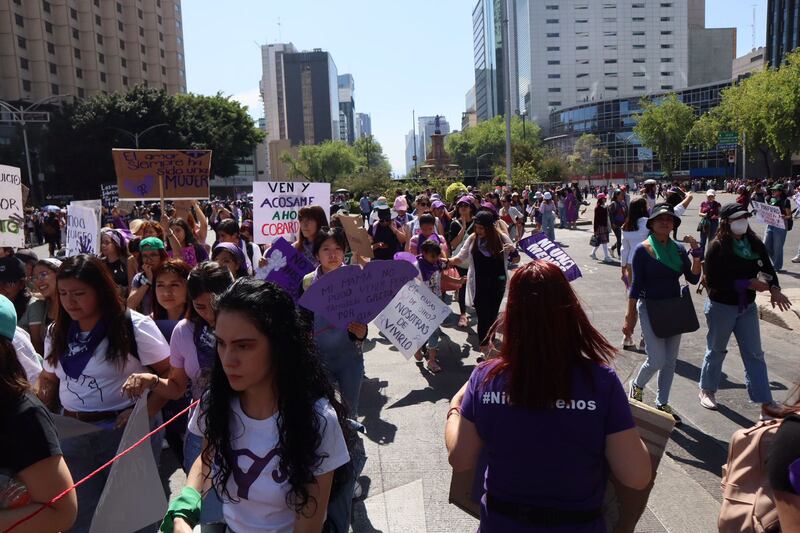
x,y
607,259
627,342
707,399
593,256
796,259
667,409
637,393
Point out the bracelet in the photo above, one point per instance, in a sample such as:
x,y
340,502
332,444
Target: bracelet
x,y
453,410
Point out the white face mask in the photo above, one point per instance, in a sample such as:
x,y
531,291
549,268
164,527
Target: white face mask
x,y
739,227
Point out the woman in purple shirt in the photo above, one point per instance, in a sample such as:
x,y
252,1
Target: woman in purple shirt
x,y
551,416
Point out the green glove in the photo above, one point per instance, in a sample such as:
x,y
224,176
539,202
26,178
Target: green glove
x,y
186,506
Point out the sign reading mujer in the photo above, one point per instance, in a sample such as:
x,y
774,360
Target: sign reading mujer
x,y
276,205
538,246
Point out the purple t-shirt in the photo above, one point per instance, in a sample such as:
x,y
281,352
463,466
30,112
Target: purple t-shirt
x,y
547,458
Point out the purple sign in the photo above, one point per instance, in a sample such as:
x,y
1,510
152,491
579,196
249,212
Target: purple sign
x,y
352,294
538,246
286,267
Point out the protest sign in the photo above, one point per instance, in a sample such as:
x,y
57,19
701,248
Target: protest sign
x,y
286,267
83,229
538,246
183,173
769,214
276,204
357,236
11,208
411,317
352,294
110,194
133,497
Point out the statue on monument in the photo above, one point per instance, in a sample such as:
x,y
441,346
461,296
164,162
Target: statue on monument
x,y
436,127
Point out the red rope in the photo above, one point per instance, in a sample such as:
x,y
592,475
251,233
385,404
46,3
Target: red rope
x,y
106,465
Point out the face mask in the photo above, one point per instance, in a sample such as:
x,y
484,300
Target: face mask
x,y
739,227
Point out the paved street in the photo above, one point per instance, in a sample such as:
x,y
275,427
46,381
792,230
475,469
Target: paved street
x,y
406,478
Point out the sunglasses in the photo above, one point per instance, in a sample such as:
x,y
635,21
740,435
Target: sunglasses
x,y
424,204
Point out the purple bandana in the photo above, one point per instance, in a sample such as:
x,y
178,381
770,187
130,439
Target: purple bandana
x,y
426,269
80,349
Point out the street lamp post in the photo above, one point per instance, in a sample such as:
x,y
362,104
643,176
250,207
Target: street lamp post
x,y
136,136
477,166
522,114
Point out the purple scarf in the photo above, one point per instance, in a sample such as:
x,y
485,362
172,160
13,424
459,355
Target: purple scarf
x,y
426,269
79,351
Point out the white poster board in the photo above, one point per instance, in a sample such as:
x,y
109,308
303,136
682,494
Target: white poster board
x,y
411,317
769,214
276,204
12,232
83,228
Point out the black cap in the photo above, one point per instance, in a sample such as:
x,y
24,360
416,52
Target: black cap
x,y
663,209
733,211
485,218
384,213
11,269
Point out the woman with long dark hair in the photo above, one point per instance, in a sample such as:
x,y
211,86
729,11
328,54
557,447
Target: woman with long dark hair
x,y
152,253
42,311
486,252
271,404
311,220
114,253
32,464
737,266
552,415
91,349
465,211
190,250
634,232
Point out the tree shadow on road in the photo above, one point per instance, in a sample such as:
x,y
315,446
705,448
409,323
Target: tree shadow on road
x,y
371,404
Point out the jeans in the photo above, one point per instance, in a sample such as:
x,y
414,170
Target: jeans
x,y
433,341
773,240
549,225
722,320
661,357
347,371
712,231
211,508
341,504
562,217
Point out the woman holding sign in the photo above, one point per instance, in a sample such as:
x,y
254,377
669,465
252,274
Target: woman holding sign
x,y
486,252
339,349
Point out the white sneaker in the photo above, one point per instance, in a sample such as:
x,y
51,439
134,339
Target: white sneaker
x,y
796,259
707,399
593,256
607,259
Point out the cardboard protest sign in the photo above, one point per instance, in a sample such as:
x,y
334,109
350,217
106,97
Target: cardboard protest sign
x,y
11,208
538,246
133,497
276,204
769,214
83,229
109,192
184,173
352,294
286,267
357,237
411,317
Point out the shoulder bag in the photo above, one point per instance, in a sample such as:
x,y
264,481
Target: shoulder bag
x,y
672,316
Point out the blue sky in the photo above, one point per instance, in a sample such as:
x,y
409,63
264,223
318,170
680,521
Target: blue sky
x,y
403,54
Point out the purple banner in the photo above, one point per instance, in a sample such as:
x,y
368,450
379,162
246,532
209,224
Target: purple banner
x,y
352,294
538,246
286,267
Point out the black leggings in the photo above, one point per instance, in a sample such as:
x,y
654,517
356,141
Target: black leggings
x,y
618,234
487,306
462,293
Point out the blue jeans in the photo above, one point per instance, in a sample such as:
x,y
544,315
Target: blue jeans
x,y
722,320
712,231
773,240
433,341
211,509
562,217
341,504
347,371
549,225
661,357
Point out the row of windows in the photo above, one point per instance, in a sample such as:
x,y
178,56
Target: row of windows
x,y
615,88
609,47
555,7
26,86
638,33
609,75
608,19
24,65
606,61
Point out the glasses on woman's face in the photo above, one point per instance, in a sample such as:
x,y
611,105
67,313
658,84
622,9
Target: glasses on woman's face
x,y
423,204
41,276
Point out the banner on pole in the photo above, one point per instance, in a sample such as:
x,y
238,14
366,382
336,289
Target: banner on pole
x,y
83,228
185,174
538,246
11,208
769,214
277,203
411,317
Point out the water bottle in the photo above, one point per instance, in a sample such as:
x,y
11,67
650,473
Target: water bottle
x,y
13,493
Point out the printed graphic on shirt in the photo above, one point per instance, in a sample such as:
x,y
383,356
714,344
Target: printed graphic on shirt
x,y
87,382
245,479
501,398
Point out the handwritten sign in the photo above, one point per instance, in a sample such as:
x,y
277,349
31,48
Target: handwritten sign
x,y
277,203
538,246
109,192
184,173
769,214
133,497
411,317
352,294
286,267
11,208
357,236
83,230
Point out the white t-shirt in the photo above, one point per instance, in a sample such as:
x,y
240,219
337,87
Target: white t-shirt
x,y
26,354
630,239
99,388
262,502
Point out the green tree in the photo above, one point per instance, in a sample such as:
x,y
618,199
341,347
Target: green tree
x,y
325,162
583,159
370,153
664,126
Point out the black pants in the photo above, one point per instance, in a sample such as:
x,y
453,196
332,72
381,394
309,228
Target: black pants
x,y
462,293
488,297
618,234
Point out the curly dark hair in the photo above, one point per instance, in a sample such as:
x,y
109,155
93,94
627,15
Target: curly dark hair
x,y
208,276
301,382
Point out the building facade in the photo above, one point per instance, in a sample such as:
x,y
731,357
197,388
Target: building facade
x,y
347,108
750,63
612,121
783,29
363,125
488,58
85,47
587,50
411,142
312,97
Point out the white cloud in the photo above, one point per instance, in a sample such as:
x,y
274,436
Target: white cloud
x,y
252,99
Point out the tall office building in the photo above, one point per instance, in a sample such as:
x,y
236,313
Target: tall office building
x,y
783,29
488,58
410,152
84,47
311,92
363,125
426,128
347,108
